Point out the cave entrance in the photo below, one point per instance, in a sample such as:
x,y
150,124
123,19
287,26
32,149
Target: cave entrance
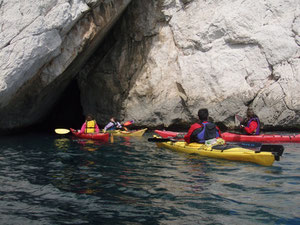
x,y
67,112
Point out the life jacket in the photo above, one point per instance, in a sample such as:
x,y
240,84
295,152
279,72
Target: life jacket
x,y
257,130
205,132
90,126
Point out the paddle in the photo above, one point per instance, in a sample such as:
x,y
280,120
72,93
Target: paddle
x,y
174,139
61,131
179,138
277,150
127,123
111,138
160,139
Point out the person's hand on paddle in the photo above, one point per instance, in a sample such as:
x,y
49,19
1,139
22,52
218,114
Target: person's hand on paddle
x,y
179,136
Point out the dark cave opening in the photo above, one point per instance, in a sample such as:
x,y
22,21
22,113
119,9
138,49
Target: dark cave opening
x,y
66,113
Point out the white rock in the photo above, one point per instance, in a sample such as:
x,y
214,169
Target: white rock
x,y
39,42
172,57
18,62
230,57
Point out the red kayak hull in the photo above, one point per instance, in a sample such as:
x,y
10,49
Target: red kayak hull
x,y
230,137
167,134
96,136
265,138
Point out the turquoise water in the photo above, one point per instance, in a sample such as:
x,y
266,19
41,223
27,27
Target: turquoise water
x,y
52,179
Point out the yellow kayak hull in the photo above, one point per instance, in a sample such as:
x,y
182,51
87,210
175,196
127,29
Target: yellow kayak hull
x,y
235,153
136,133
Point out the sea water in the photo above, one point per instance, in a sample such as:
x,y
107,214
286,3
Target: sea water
x,y
53,179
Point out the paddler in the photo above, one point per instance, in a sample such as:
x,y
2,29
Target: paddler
x,y
89,126
112,125
251,124
203,130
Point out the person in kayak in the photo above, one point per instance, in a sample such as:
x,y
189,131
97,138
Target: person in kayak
x,y
112,125
202,131
89,126
251,124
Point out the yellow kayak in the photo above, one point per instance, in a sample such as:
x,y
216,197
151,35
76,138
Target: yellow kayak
x,y
135,133
219,150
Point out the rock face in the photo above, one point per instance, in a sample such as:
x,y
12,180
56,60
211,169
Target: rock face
x,y
176,56
43,45
163,60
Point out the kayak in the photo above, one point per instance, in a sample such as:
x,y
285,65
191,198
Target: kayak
x,y
134,133
94,136
231,137
229,152
266,138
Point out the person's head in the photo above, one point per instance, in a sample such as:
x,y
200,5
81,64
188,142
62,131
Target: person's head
x,y
250,113
89,117
203,114
113,119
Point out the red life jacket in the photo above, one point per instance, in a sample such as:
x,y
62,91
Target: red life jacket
x,y
257,130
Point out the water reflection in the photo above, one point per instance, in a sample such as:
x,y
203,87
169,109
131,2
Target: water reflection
x,y
89,145
60,180
62,143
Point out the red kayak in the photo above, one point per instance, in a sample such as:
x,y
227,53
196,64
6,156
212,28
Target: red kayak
x,y
230,137
95,136
266,138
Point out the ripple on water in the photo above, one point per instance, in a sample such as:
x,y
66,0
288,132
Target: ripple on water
x,y
59,180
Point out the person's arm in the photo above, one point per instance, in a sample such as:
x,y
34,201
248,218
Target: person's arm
x,y
83,128
109,125
119,125
244,122
97,128
251,128
219,131
187,137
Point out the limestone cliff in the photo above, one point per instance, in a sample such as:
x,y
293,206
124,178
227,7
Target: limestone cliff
x,y
179,56
43,45
162,61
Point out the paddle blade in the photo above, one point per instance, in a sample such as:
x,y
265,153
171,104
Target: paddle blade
x,y
159,139
61,131
127,123
278,149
